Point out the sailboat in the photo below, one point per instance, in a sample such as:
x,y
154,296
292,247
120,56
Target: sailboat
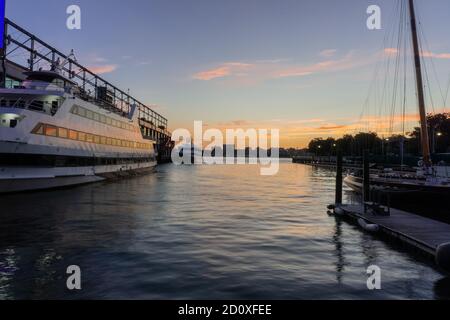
x,y
425,184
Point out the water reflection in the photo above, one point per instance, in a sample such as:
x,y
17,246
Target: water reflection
x,y
198,232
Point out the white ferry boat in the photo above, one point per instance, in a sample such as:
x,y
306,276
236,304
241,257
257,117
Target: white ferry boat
x,y
52,135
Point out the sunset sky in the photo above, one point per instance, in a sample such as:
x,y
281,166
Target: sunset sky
x,y
303,66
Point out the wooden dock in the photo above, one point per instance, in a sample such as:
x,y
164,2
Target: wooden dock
x,y
422,233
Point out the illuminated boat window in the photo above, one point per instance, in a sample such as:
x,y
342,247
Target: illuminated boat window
x,y
50,131
64,133
73,135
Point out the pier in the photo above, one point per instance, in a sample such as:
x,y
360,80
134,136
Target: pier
x,y
424,235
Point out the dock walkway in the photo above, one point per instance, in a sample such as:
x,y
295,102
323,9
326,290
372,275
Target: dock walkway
x,y
423,233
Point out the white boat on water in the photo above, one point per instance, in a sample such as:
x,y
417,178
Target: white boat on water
x,y
51,135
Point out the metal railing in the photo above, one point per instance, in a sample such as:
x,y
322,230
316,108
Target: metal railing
x,y
31,53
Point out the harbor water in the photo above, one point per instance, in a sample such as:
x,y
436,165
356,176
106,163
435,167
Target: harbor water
x,y
200,232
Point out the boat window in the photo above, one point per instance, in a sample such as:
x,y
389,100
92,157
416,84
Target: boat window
x,y
82,112
102,119
39,129
37,105
50,131
89,114
73,135
96,117
62,133
81,136
12,123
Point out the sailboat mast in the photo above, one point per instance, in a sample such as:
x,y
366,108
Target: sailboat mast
x,y
420,94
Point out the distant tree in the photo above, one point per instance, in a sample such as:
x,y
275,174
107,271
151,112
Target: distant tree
x,y
439,132
439,126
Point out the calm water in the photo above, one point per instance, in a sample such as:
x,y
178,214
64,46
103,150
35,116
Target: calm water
x,y
199,233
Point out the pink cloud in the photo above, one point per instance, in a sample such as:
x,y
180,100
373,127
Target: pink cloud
x,y
390,51
345,63
428,54
225,70
249,74
103,69
425,54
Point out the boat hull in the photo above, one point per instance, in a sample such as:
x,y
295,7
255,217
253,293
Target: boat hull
x,y
423,200
356,184
54,182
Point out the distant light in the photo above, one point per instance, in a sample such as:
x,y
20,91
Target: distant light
x,y
439,134
334,145
387,139
320,147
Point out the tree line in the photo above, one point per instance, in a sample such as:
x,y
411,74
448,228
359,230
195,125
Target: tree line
x,y
354,145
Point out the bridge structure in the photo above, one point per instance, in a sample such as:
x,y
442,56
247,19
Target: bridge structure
x,y
22,51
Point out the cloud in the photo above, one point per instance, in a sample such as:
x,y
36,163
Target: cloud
x,y
328,53
347,62
428,54
425,54
390,51
260,70
326,128
102,69
225,70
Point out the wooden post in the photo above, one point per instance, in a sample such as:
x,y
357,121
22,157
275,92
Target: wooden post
x,y
339,167
366,172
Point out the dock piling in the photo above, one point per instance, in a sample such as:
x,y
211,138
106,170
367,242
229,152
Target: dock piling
x,y
339,180
366,172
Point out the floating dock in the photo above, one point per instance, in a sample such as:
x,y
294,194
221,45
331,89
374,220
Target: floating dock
x,y
422,233
425,235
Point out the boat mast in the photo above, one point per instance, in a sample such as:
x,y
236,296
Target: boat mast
x,y
420,94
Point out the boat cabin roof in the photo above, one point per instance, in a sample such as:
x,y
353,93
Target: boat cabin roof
x,y
47,76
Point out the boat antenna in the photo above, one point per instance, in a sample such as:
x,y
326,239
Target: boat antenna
x,y
420,92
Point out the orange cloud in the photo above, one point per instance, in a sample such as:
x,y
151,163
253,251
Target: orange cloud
x,y
390,51
257,71
103,69
225,70
345,63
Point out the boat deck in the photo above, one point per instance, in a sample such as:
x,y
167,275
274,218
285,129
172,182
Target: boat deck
x,y
421,232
